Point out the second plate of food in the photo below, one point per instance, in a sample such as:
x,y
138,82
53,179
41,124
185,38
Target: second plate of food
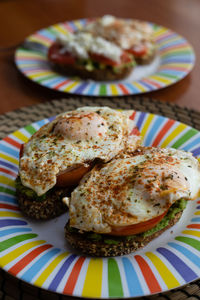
x,y
174,59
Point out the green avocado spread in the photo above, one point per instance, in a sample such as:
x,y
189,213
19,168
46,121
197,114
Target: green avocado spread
x,y
174,209
29,193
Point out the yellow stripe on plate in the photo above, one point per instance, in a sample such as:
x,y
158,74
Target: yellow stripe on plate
x,y
167,276
10,214
173,134
40,40
139,86
10,159
160,31
160,79
192,232
197,213
114,90
78,24
71,86
60,29
41,74
93,279
146,125
48,270
7,258
7,181
22,137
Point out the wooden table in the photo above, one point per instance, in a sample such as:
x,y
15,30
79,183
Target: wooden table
x,y
20,18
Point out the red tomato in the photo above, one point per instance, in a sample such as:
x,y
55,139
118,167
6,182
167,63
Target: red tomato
x,y
138,51
137,228
135,131
125,58
72,177
21,150
55,56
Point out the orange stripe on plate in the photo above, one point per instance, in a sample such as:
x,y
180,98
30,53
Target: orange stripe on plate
x,y
123,89
195,226
21,264
12,142
8,206
7,172
71,282
149,277
162,132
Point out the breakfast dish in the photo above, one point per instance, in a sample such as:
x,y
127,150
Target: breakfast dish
x,y
121,206
133,36
89,57
37,252
57,156
174,59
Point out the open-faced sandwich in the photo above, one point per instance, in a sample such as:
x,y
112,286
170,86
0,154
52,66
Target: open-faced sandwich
x,y
57,156
90,57
122,205
133,36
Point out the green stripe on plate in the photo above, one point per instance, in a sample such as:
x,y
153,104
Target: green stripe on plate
x,y
192,242
103,90
189,134
30,129
114,279
178,52
40,80
6,190
166,75
15,240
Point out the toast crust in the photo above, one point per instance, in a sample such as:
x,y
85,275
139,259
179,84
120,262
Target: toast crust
x,y
48,208
106,74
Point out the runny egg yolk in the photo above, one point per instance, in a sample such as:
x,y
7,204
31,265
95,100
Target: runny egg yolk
x,y
82,126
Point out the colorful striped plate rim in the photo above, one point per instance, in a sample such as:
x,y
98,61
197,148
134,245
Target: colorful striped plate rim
x,y
176,59
170,261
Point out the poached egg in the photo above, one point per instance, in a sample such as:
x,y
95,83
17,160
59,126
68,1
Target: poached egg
x,y
73,139
133,189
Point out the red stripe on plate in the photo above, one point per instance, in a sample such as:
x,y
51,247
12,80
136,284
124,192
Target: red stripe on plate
x,y
123,89
152,82
71,282
8,206
162,132
195,226
8,172
12,142
61,84
149,277
21,264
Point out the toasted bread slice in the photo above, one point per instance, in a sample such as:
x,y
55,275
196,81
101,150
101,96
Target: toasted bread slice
x,y
45,207
106,74
107,247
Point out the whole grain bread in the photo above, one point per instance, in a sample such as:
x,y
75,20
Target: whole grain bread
x,y
126,246
51,207
107,74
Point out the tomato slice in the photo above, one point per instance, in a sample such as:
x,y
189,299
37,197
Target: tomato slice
x,y
55,56
21,150
137,228
135,131
125,58
138,51
72,177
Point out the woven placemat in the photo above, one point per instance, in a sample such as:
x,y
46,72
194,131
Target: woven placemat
x,y
12,288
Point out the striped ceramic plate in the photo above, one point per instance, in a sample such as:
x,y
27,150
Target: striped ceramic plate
x,y
37,253
174,61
